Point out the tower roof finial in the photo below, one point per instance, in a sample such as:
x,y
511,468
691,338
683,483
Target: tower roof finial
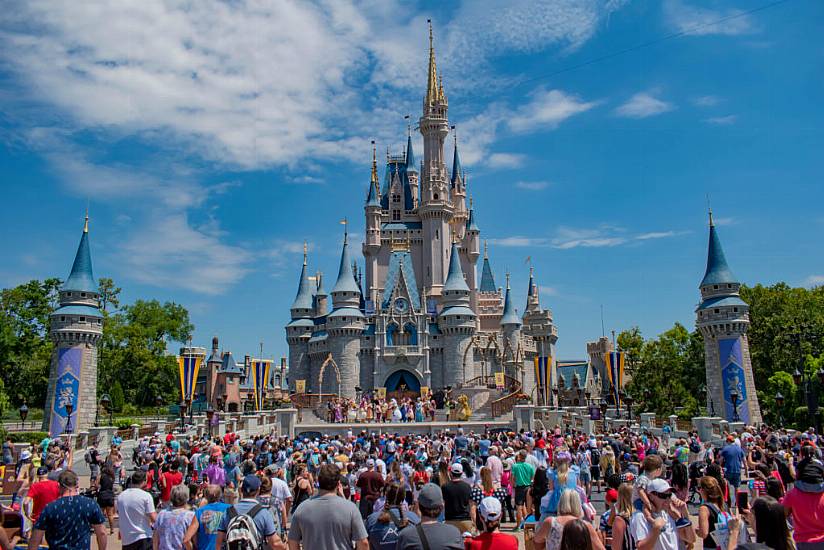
x,y
305,251
345,223
709,209
374,164
432,94
86,222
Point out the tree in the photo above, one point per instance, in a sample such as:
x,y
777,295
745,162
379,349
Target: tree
x,y
117,397
4,399
631,342
109,294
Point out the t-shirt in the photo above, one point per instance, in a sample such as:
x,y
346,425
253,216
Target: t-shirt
x,y
523,472
327,522
640,529
456,495
808,514
172,479
134,506
67,522
492,541
370,483
264,520
171,526
42,493
209,518
440,535
733,457
384,536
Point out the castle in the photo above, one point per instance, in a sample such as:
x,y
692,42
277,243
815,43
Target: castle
x,y
416,315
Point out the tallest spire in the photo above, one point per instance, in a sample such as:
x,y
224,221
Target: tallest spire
x,y
432,80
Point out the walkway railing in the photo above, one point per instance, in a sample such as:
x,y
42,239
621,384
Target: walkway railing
x,y
488,380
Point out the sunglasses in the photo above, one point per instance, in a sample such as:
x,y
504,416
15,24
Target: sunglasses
x,y
663,496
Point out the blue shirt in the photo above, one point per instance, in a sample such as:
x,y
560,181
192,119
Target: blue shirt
x,y
733,457
67,522
483,446
209,518
384,536
264,520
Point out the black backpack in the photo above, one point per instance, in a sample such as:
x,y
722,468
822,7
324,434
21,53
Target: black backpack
x,y
596,456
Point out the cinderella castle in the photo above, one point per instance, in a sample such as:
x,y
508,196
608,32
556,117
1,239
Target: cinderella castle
x,y
416,314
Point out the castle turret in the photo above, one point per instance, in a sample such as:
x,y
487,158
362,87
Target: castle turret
x,y
510,327
345,326
458,191
538,325
412,171
299,330
456,321
75,328
321,297
723,319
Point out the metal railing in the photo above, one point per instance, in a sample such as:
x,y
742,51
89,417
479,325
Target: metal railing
x,y
488,380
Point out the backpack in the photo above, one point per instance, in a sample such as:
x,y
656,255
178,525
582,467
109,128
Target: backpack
x,y
695,447
242,532
784,471
596,456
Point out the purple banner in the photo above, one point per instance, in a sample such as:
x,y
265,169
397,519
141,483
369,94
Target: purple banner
x,y
732,378
66,389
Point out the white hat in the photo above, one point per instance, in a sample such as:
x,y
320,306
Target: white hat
x,y
456,469
25,454
659,485
490,509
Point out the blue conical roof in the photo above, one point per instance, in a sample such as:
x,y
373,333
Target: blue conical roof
x,y
717,269
455,279
510,316
303,299
81,278
346,278
487,278
470,222
457,171
373,198
410,156
531,289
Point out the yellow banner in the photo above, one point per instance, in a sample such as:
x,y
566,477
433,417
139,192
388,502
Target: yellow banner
x,y
424,392
500,382
300,386
381,392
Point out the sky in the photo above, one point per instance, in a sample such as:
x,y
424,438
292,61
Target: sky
x,y
210,139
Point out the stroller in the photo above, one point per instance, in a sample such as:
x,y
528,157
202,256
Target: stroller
x,y
696,472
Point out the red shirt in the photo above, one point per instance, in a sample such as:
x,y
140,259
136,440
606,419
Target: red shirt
x,y
172,479
491,541
807,510
42,493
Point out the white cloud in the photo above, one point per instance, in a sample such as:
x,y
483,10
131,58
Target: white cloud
x,y
547,290
655,235
721,120
724,221
698,21
547,109
706,101
519,241
643,105
566,238
506,160
532,185
814,280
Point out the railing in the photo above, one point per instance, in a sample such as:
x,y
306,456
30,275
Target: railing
x,y
683,425
488,380
506,403
402,350
311,400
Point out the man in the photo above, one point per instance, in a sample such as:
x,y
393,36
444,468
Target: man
x,y
459,508
41,493
92,458
281,495
168,479
522,474
68,521
209,518
732,459
438,535
263,518
663,532
328,521
370,484
495,465
135,506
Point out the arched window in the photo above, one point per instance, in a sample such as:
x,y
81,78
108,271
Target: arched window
x,y
411,334
391,334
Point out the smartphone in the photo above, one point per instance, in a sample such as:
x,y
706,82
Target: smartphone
x,y
742,499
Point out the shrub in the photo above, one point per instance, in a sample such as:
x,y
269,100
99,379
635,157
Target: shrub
x,y
25,437
123,423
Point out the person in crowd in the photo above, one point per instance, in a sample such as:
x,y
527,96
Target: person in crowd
x,y
202,532
384,527
69,521
711,511
769,522
170,477
522,474
661,532
41,493
430,533
804,503
550,530
172,524
370,483
491,512
136,514
577,535
732,457
459,508
249,506
105,495
563,476
486,488
328,520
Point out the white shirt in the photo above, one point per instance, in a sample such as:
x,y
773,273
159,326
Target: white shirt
x,y
280,490
640,529
134,507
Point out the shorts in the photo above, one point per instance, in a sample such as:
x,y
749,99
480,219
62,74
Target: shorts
x,y
142,544
520,495
734,479
595,472
585,477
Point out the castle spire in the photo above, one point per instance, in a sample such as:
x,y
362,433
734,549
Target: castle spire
x,y
718,271
432,95
346,277
373,197
510,317
457,170
81,277
303,298
487,278
455,279
410,155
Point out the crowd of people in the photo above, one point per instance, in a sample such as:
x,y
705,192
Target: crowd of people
x,y
374,409
452,490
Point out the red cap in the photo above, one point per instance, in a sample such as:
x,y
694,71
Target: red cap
x,y
541,444
612,495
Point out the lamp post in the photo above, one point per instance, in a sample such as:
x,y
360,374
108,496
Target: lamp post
x,y
106,403
182,416
629,400
69,410
779,402
158,404
734,398
191,410
810,390
210,414
24,412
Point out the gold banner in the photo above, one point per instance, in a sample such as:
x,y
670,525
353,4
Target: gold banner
x,y
300,386
424,392
500,382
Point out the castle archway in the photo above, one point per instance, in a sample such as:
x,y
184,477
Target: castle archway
x,y
402,383
331,384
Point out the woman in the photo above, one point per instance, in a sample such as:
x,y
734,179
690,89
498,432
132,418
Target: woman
x,y
486,488
384,526
563,476
584,462
577,535
804,503
551,530
303,486
621,538
769,521
418,411
608,465
105,497
171,525
490,513
712,508
507,484
680,481
539,489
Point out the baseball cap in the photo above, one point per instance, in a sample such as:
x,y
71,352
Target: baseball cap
x,y
456,469
490,509
612,495
659,485
42,470
370,463
430,496
250,484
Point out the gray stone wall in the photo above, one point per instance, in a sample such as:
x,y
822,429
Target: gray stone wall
x,y
455,346
346,353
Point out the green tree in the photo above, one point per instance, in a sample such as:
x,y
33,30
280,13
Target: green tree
x,y
109,294
631,342
4,399
117,397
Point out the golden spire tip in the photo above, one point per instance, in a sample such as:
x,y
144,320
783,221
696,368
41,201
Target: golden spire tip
x,y
86,222
305,251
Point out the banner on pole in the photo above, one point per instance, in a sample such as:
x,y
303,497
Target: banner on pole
x,y
500,381
615,372
424,392
543,379
188,366
381,392
300,386
260,380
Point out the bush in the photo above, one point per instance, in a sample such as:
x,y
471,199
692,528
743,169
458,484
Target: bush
x,y
123,423
25,437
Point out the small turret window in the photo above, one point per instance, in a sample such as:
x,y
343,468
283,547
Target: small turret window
x,y
82,319
735,310
715,287
82,294
396,215
717,311
62,318
69,294
436,196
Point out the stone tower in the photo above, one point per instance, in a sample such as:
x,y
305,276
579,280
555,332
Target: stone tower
x,y
511,331
75,328
299,329
723,319
540,327
457,321
344,326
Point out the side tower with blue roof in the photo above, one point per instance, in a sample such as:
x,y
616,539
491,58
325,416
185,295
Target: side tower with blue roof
x,y
75,328
299,329
723,319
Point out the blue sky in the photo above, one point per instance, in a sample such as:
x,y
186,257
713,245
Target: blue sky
x,y
211,141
